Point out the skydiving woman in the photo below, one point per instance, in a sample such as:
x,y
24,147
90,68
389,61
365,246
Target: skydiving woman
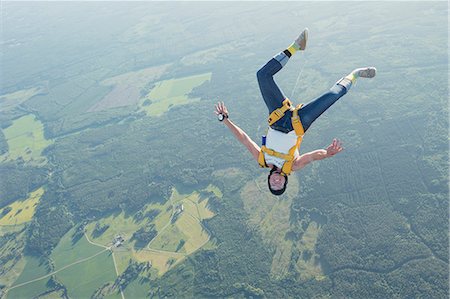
x,y
288,123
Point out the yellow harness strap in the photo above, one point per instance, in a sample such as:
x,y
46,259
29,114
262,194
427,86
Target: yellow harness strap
x,y
296,123
279,112
298,128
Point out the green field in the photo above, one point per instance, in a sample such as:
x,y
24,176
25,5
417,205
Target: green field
x,y
33,270
30,290
83,279
169,93
84,267
136,289
21,211
25,138
67,252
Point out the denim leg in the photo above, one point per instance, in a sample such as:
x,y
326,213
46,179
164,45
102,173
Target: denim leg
x,y
272,95
311,111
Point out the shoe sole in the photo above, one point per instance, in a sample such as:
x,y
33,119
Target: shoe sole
x,y
304,40
369,73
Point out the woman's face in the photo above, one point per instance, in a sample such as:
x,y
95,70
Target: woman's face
x,y
277,180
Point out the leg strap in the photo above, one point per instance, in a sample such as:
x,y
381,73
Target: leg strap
x,y
279,112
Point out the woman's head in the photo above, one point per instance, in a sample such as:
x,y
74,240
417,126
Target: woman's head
x,y
277,181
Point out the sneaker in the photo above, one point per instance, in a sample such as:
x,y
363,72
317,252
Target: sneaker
x,y
302,39
365,72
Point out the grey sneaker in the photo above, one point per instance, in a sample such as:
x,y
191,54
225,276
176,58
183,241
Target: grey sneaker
x,y
365,72
302,39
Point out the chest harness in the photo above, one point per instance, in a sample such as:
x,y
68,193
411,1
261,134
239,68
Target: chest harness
x,y
276,115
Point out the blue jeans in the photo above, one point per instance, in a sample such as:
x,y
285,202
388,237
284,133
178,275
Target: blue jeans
x,y
274,97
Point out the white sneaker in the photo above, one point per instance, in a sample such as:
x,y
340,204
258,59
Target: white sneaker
x,y
302,39
365,72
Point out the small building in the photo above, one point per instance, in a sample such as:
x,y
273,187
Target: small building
x,y
177,211
118,240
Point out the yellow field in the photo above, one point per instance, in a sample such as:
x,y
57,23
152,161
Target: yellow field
x,y
163,217
7,229
25,138
53,295
215,190
309,268
118,224
168,239
196,236
188,225
204,212
122,259
270,215
159,260
22,211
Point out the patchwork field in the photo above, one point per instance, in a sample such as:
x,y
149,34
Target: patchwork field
x,y
82,267
85,264
179,232
271,216
21,211
25,138
11,100
127,87
169,93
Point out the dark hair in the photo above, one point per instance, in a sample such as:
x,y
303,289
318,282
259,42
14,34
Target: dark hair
x,y
276,192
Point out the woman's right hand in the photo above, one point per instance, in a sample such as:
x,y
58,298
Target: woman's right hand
x,y
221,109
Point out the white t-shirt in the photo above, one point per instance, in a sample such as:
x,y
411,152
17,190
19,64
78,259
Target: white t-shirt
x,y
279,142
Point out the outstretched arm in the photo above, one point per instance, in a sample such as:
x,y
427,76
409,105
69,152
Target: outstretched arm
x,y
320,154
240,135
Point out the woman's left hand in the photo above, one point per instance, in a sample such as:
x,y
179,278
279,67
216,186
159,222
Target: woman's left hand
x,y
334,148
